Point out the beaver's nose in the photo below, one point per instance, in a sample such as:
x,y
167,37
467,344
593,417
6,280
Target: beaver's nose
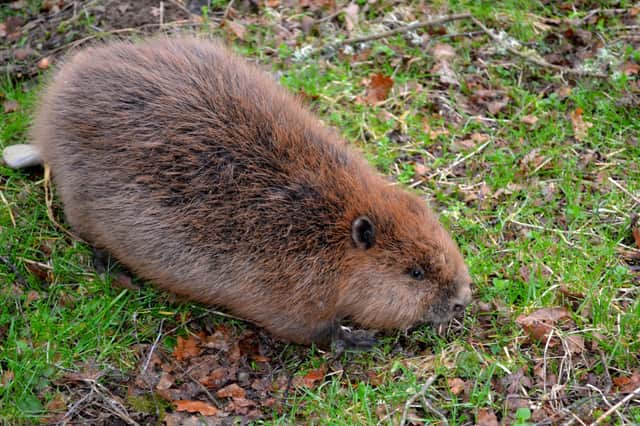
x,y
462,299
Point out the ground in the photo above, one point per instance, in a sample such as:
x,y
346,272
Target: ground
x,y
518,123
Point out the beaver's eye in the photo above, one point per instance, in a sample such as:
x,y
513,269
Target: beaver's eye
x,y
417,273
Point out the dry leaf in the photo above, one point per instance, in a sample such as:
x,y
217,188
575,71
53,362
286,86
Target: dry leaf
x,y
575,343
310,379
442,52
10,106
486,417
236,28
195,407
431,132
529,120
23,53
166,381
186,348
351,16
531,160
635,231
231,391
56,404
456,385
539,323
580,127
6,378
495,107
420,169
628,384
272,3
378,89
563,92
446,74
630,68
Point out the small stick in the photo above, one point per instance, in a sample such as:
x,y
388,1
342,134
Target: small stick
x,y
461,160
4,200
616,406
537,60
407,405
410,27
625,190
180,6
228,9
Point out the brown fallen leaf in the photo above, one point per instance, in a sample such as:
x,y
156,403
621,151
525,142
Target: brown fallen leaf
x,y
575,343
378,89
236,28
186,348
10,106
486,417
580,127
351,16
57,403
433,133
539,323
627,384
23,53
231,391
39,271
420,169
442,52
309,380
563,92
635,231
216,378
446,74
531,160
630,68
6,378
456,385
496,106
166,381
195,407
529,120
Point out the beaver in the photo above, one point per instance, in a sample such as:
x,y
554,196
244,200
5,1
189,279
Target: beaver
x,y
200,173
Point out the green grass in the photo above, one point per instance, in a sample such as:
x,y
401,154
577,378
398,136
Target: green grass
x,y
560,221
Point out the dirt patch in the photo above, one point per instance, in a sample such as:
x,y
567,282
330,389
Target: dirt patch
x,y
32,40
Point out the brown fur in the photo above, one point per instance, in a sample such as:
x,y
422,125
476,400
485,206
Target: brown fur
x,y
201,174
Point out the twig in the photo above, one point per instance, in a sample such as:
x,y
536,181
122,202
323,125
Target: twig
x,y
227,9
4,200
428,406
625,190
535,58
410,401
153,347
616,406
460,161
180,6
410,27
330,16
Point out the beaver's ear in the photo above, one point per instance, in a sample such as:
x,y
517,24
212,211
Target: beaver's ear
x,y
363,232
